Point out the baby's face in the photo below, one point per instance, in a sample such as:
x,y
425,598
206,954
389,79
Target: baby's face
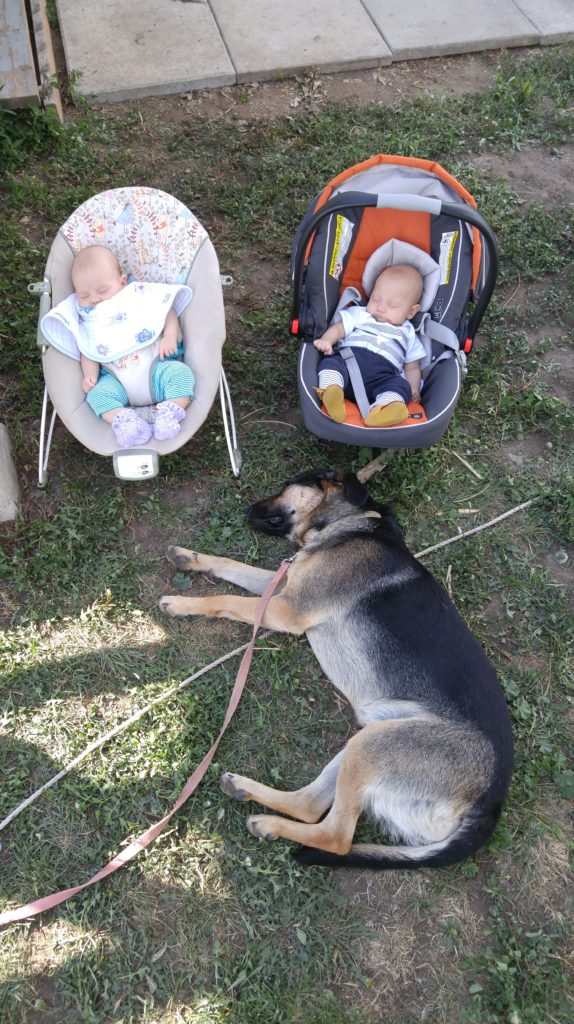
x,y
97,282
394,298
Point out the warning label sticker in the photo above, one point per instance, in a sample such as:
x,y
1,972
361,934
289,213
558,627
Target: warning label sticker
x,y
447,245
343,236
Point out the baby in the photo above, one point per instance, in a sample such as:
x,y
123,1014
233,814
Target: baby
x,y
126,338
384,343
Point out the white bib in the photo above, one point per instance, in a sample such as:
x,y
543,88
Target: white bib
x,y
117,327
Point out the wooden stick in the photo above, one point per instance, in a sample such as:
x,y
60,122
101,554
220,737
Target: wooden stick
x,y
375,465
476,529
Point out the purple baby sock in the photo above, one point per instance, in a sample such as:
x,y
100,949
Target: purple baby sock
x,y
130,429
167,420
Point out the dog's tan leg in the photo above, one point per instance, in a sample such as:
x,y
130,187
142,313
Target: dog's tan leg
x,y
306,804
335,833
247,576
279,614
416,776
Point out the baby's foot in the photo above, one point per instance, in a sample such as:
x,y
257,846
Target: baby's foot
x,y
386,415
334,402
130,429
167,420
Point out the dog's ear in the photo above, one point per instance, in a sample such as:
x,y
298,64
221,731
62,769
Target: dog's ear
x,y
355,492
328,478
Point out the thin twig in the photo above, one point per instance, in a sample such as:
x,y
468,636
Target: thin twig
x,y
280,423
467,464
476,529
475,494
252,413
508,301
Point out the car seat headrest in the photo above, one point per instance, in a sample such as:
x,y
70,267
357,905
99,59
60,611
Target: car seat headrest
x,y
395,251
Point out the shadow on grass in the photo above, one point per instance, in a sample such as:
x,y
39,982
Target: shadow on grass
x,y
189,923
195,917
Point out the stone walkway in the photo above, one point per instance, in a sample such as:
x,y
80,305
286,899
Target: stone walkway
x,y
125,50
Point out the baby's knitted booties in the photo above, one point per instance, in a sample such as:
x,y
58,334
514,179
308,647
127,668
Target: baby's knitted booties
x,y
130,429
167,420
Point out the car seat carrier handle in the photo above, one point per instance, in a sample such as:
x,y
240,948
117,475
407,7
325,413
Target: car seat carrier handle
x,y
422,204
419,204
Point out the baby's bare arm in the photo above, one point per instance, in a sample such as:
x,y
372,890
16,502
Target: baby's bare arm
x,y
168,342
331,336
413,375
90,373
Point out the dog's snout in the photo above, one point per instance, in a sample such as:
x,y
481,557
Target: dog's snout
x,y
270,518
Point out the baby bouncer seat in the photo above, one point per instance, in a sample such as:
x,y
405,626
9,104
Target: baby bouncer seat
x,y
392,209
156,239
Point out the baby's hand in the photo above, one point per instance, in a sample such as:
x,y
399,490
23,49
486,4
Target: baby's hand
x,y
323,346
167,346
88,383
415,395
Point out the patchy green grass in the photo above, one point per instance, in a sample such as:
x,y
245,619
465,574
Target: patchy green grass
x,y
208,926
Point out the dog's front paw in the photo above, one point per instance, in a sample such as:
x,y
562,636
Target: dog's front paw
x,y
174,606
261,826
232,786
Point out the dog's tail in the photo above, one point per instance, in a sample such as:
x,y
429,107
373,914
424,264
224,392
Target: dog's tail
x,y
472,833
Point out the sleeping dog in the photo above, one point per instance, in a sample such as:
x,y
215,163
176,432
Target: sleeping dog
x,y
432,761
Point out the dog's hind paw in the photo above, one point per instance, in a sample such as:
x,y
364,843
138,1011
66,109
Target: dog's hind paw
x,y
229,785
261,826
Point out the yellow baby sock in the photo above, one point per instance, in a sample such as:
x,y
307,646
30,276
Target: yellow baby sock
x,y
385,415
334,402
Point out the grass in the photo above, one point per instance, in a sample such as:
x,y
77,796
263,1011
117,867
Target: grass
x,y
209,926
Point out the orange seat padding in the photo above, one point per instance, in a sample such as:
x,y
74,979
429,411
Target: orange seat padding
x,y
353,417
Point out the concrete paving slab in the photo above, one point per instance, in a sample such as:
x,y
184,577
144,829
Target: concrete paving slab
x,y
270,38
150,48
413,29
554,19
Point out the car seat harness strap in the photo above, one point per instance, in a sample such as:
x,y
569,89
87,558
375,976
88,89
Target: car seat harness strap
x,y
356,379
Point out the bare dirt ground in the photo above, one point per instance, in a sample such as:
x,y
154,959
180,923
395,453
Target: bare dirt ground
x,y
546,180
389,85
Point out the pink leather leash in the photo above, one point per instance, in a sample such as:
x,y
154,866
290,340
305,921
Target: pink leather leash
x,y
147,837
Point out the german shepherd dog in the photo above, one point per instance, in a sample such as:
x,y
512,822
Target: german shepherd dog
x,y
432,761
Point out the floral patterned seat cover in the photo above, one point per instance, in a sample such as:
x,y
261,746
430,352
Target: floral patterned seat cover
x,y
154,236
